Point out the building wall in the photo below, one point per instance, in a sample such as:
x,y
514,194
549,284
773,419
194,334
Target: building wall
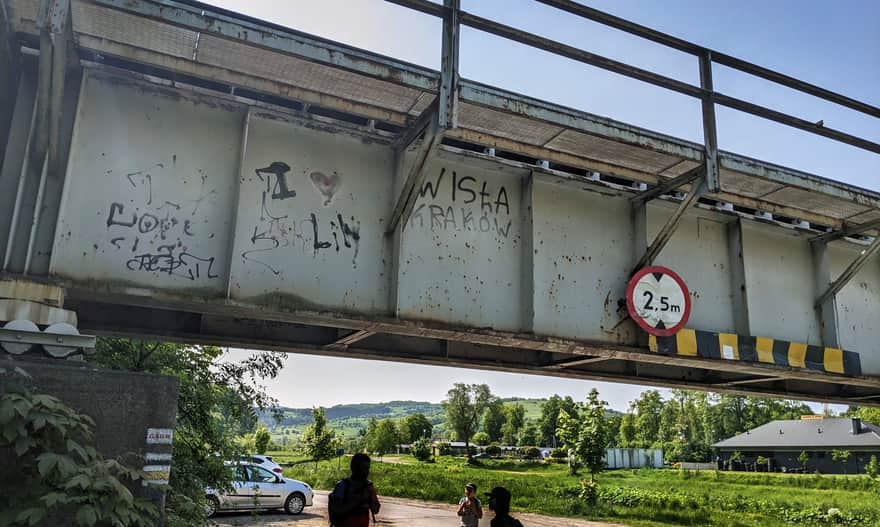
x,y
787,461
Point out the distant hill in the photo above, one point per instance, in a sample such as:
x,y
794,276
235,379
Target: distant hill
x,y
350,418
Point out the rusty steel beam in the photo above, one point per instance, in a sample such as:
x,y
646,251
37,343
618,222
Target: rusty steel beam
x,y
756,380
449,79
417,128
579,55
720,58
849,229
568,363
839,395
796,122
350,338
670,185
9,72
710,129
416,174
850,271
232,26
621,68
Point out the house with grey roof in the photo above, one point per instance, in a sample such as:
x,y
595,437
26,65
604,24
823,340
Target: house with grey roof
x,y
782,443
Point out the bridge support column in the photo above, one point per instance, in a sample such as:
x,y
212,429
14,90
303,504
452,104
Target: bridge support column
x,y
527,252
826,310
738,284
9,72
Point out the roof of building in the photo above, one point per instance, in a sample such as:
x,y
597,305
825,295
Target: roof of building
x,y
810,433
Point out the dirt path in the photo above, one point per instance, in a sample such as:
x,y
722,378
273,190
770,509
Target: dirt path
x,y
395,512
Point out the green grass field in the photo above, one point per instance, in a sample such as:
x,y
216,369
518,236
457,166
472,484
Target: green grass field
x,y
633,497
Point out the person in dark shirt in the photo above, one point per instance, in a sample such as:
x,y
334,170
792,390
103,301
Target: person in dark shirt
x,y
354,499
499,501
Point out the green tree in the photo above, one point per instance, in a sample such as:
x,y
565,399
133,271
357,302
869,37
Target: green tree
x,y
669,417
548,422
842,456
415,427
529,435
262,439
514,421
493,420
627,430
212,394
568,431
593,436
649,407
387,438
319,442
464,406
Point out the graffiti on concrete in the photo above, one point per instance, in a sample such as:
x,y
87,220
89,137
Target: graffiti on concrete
x,y
292,225
470,205
160,234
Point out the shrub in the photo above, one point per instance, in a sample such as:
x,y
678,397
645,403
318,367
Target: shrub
x,y
444,449
531,452
493,450
421,450
872,469
589,491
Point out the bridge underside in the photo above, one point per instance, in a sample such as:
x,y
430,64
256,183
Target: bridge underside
x,y
273,190
432,344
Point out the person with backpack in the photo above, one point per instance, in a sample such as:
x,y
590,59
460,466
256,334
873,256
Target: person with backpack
x,y
354,498
499,501
470,510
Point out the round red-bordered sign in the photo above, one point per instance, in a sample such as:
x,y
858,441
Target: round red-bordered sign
x,y
658,300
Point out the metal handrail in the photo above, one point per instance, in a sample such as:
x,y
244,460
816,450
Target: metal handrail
x,y
699,92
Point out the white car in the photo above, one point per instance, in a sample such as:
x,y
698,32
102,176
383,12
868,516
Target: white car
x,y
254,487
261,460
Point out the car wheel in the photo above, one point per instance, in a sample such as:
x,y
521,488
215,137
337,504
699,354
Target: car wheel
x,y
212,506
295,503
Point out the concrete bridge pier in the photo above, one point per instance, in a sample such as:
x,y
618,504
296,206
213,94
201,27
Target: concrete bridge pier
x,y
134,413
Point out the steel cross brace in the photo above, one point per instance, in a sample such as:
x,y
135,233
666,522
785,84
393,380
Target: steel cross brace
x,y
56,37
442,115
428,123
698,188
850,271
848,230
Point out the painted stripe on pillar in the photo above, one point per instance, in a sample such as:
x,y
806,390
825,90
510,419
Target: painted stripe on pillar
x,y
728,346
764,346
686,341
797,354
833,360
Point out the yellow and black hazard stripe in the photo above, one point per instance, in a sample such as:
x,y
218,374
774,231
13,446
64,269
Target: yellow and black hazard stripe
x,y
729,346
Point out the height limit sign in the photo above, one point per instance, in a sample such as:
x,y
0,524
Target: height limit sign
x,y
658,300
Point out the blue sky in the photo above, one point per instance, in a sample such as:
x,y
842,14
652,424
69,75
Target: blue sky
x,y
835,45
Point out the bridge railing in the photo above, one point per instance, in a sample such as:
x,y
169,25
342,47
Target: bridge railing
x,y
454,17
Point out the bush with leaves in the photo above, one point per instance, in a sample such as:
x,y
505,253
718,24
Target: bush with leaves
x,y
52,472
872,469
421,450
